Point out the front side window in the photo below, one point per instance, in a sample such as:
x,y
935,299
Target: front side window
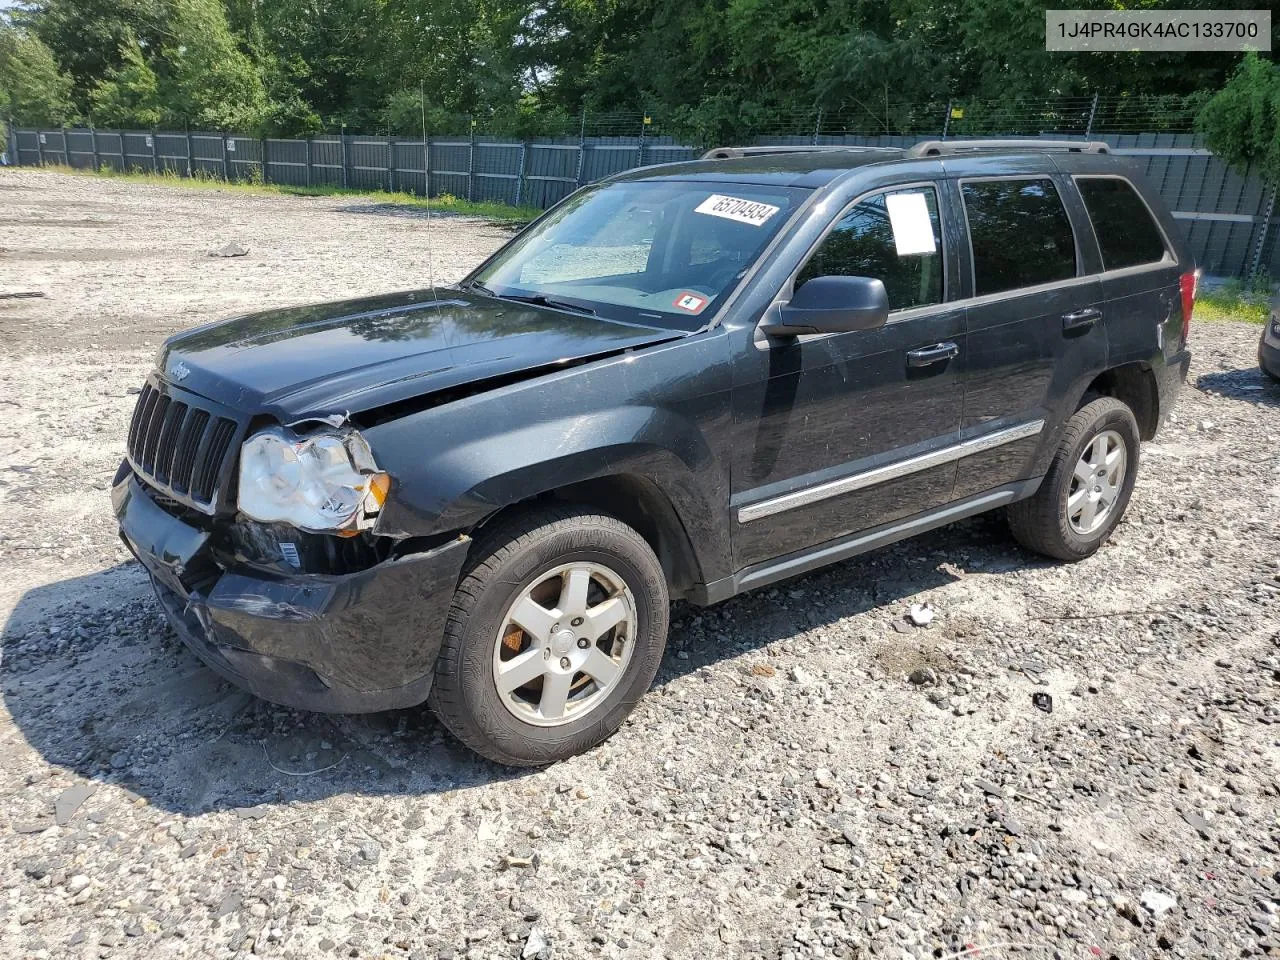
x,y
1020,234
658,252
895,237
1127,235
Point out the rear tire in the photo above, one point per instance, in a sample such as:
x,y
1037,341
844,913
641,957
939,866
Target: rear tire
x,y
525,570
1087,487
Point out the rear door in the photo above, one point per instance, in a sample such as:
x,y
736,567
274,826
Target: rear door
x,y
1034,319
1140,273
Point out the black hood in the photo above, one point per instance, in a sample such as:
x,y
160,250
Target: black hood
x,y
354,355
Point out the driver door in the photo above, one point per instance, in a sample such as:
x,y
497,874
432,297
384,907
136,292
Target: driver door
x,y
837,433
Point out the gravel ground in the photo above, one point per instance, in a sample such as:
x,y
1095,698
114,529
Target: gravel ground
x,y
812,776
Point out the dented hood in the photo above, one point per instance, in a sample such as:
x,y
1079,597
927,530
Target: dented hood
x,y
354,355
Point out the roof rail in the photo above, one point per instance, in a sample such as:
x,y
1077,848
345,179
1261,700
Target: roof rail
x,y
942,148
731,153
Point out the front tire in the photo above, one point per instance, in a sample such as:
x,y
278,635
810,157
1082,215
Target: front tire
x,y
1087,487
555,632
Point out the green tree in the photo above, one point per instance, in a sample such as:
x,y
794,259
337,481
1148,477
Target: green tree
x,y
206,80
288,113
32,88
720,69
88,37
130,94
1241,123
330,49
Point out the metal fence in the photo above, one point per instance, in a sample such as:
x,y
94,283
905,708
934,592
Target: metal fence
x,y
530,173
1230,220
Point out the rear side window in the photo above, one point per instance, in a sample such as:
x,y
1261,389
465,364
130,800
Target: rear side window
x,y
1126,233
1020,234
895,237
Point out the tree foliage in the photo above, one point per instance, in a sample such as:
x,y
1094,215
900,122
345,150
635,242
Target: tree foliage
x,y
716,69
31,86
129,95
1242,121
206,79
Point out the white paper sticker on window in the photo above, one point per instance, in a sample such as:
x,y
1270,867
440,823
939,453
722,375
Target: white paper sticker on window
x,y
912,228
733,208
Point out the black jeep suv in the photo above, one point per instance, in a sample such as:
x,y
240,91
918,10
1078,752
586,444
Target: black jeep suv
x,y
687,381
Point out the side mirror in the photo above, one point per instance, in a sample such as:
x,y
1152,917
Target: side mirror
x,y
831,305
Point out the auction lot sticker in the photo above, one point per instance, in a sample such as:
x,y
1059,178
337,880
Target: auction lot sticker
x,y
690,302
735,208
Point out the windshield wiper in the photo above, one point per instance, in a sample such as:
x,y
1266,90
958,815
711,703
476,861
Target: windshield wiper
x,y
537,299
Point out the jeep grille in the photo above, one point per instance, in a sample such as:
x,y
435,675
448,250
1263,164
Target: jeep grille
x,y
180,446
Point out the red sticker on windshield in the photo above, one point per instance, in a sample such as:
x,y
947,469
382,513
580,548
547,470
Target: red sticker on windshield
x,y
690,303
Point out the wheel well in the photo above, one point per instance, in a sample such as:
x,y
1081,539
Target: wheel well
x,y
1134,385
641,505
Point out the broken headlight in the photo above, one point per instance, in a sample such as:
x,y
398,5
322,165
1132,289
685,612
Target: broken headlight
x,y
323,482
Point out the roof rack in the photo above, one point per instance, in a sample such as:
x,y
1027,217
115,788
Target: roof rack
x,y
732,153
942,148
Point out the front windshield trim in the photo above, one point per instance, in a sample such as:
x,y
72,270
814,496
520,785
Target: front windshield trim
x,y
474,286
723,262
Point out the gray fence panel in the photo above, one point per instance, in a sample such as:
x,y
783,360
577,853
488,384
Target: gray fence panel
x,y
670,154
53,146
138,151
409,174
1220,248
451,168
110,145
550,174
497,168
80,152
607,156
287,162
367,163
208,153
28,148
244,159
1221,212
173,153
326,162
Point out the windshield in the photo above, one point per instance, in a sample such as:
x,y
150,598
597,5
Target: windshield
x,y
654,252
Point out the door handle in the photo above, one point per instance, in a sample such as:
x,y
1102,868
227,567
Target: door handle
x,y
1081,318
934,354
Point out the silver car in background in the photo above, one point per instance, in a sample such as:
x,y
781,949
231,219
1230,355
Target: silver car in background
x,y
1269,345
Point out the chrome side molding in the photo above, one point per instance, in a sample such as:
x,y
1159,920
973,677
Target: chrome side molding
x,y
891,471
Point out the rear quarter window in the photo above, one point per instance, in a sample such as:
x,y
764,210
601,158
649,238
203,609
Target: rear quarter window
x,y
1127,235
1020,234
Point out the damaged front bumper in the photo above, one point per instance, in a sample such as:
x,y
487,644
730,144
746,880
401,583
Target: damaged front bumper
x,y
351,643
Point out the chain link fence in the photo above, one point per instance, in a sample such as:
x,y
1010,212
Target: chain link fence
x,y
1230,219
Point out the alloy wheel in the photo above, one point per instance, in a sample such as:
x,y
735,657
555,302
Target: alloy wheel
x,y
564,644
1096,483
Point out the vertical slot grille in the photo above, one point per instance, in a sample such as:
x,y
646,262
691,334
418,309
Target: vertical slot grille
x,y
184,459
205,478
179,448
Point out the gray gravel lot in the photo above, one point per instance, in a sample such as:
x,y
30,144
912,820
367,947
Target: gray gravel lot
x,y
810,777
